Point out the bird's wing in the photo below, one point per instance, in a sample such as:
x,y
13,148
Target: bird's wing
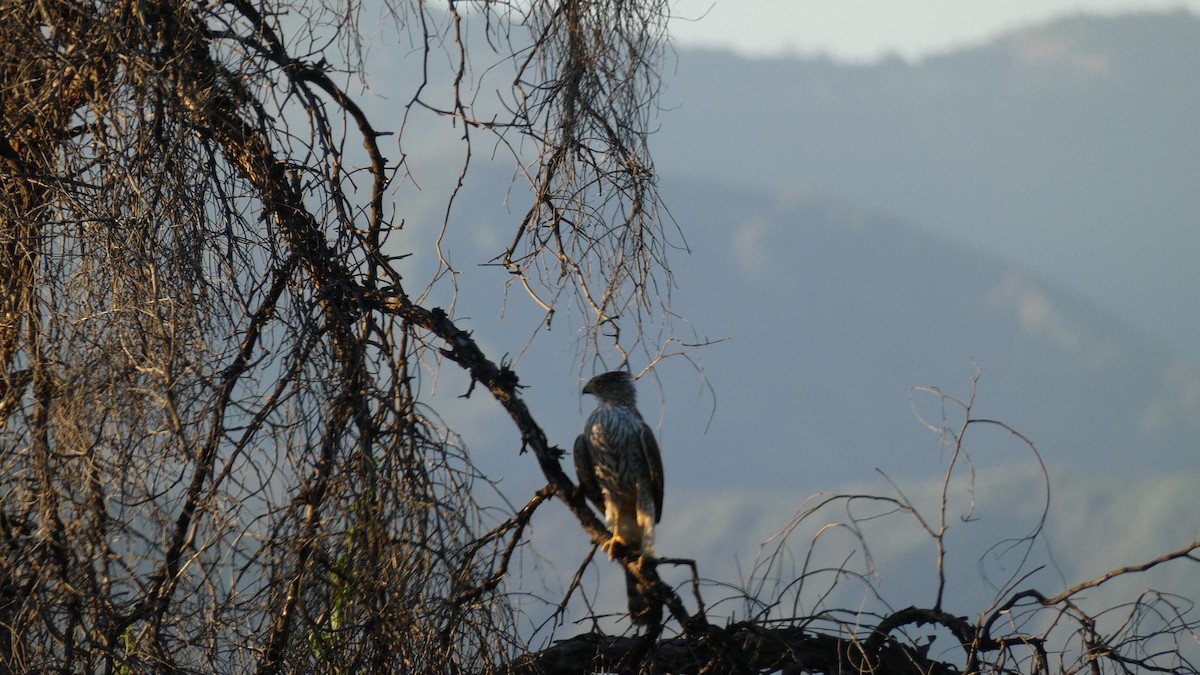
x,y
654,463
585,469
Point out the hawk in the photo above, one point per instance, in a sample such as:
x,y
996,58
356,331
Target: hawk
x,y
620,471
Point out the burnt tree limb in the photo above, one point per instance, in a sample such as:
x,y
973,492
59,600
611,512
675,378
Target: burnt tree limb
x,y
738,648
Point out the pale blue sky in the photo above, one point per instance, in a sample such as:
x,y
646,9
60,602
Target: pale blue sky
x,y
860,30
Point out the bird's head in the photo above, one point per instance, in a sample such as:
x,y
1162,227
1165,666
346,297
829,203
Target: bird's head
x,y
613,387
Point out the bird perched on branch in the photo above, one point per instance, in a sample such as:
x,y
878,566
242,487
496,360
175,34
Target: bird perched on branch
x,y
620,471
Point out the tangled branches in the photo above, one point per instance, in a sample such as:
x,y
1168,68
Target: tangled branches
x,y
1023,630
214,455
588,96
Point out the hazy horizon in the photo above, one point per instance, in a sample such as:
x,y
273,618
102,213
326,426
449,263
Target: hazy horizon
x,y
860,31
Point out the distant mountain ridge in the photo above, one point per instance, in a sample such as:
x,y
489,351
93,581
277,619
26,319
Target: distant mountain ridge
x,y
839,312
1071,148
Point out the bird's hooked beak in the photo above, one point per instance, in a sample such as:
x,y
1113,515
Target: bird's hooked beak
x,y
587,388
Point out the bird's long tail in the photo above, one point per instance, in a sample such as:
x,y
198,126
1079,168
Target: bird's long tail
x,y
643,610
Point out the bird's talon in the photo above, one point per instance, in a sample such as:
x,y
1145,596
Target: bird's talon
x,y
613,546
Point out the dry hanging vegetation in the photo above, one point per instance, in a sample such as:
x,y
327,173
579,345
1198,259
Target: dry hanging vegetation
x,y
212,452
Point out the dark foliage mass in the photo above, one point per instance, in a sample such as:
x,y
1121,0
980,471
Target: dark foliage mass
x,y
214,454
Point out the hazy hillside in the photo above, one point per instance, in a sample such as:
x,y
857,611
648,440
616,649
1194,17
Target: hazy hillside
x,y
1072,149
836,313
